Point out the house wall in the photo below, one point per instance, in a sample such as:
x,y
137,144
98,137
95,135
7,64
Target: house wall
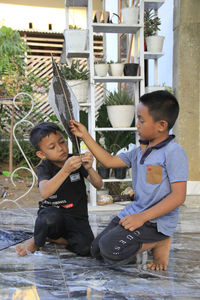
x,y
18,14
97,4
186,79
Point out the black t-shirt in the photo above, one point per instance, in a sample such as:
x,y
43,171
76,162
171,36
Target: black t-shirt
x,y
71,194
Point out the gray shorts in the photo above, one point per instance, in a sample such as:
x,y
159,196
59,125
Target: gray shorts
x,y
119,246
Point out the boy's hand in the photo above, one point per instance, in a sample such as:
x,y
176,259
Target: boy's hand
x,y
87,160
77,128
132,222
72,164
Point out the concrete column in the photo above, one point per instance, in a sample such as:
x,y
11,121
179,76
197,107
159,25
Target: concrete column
x,y
186,78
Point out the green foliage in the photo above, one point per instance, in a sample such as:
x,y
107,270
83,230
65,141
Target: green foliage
x,y
115,62
74,27
13,69
114,140
76,71
84,118
135,3
101,61
151,22
118,98
12,50
18,158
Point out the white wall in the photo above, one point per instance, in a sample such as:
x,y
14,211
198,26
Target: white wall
x,y
165,63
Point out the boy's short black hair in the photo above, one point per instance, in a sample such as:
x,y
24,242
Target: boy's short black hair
x,y
162,105
40,131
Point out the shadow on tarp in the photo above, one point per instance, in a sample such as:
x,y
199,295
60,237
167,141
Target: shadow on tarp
x,y
12,237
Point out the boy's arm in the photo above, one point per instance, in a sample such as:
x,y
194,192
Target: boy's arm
x,y
93,176
101,155
169,203
48,187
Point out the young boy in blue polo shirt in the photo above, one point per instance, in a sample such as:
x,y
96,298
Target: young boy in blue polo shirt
x,y
159,176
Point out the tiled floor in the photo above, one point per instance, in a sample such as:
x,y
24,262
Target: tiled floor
x,y
55,273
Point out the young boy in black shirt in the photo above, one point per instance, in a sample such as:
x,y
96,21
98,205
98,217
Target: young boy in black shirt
x,y
63,214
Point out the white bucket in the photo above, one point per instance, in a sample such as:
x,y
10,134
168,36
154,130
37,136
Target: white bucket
x,y
155,43
75,39
120,115
130,15
80,89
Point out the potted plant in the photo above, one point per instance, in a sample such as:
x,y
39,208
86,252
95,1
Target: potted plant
x,y
101,68
112,141
119,173
120,108
152,22
77,77
103,171
75,38
130,15
115,68
131,69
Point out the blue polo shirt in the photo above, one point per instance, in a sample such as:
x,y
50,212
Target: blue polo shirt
x,y
153,171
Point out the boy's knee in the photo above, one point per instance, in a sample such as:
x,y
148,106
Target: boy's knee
x,y
80,246
117,249
50,219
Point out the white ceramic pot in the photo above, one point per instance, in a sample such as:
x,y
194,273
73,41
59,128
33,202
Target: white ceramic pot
x,y
80,89
130,15
75,39
149,89
120,115
155,43
116,69
101,69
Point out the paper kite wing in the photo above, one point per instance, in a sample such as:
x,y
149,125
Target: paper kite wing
x,y
63,102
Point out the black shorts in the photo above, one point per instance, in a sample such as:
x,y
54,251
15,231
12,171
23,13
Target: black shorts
x,y
53,223
119,246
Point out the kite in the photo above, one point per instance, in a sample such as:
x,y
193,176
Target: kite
x,y
63,103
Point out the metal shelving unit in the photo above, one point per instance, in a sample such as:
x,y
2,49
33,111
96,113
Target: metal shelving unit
x,y
138,33
155,5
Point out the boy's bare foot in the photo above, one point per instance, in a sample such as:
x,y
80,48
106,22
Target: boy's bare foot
x,y
160,255
59,241
29,245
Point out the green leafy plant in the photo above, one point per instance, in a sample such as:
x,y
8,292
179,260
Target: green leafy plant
x,y
14,75
75,71
151,23
118,98
12,50
18,158
100,61
135,3
74,27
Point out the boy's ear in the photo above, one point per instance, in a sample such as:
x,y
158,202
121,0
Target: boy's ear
x,y
163,125
40,154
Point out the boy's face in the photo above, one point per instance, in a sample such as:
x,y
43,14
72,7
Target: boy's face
x,y
54,148
148,129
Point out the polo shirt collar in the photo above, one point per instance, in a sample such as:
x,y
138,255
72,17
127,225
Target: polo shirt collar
x,y
144,144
